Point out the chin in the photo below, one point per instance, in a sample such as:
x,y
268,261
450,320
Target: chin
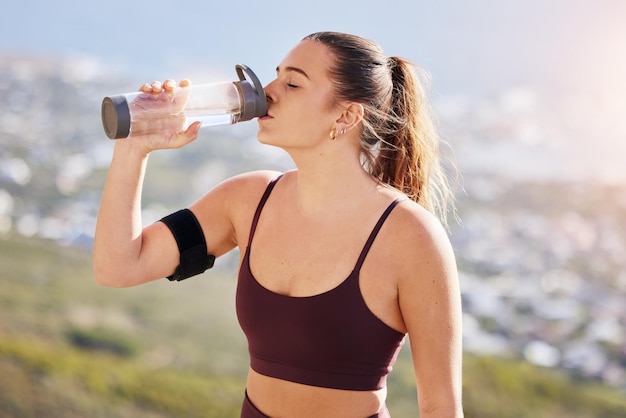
x,y
265,138
262,137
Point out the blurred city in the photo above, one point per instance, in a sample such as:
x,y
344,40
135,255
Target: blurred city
x,y
542,231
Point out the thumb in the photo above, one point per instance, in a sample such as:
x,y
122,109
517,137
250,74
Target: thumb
x,y
180,139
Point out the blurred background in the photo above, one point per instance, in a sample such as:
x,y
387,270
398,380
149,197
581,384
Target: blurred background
x,y
531,97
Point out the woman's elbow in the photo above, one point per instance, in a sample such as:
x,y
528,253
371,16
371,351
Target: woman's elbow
x,y
450,410
108,277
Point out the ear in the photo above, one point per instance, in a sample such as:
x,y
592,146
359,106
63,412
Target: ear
x,y
351,116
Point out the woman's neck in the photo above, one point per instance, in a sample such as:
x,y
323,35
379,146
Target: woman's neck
x,y
321,184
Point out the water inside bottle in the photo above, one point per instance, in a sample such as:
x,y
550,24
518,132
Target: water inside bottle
x,y
212,120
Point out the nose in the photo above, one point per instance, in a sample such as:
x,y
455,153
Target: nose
x,y
269,92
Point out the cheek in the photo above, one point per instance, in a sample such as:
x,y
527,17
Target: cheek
x,y
311,127
318,115
307,118
299,121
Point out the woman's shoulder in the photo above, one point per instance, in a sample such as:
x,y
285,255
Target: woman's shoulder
x,y
417,245
246,185
237,194
232,203
415,231
254,178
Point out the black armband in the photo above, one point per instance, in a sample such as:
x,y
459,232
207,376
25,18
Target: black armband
x,y
191,245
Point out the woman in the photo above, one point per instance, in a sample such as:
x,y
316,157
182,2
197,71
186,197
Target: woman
x,y
340,258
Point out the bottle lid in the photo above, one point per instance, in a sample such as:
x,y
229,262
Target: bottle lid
x,y
116,117
253,99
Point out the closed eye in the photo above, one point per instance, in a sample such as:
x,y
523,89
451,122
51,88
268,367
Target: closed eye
x,y
292,86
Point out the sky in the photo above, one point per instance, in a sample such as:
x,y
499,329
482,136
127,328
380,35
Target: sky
x,y
473,47
560,64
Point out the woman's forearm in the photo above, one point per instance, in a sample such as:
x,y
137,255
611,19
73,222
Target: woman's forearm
x,y
118,236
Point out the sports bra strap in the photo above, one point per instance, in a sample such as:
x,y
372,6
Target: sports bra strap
x,y
259,208
374,232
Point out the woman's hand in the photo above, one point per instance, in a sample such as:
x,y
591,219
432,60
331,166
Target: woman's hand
x,y
158,117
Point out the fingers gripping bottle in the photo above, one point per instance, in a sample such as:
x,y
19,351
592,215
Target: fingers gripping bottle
x,y
138,113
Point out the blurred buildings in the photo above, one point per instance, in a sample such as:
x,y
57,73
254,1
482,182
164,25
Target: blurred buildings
x,y
542,201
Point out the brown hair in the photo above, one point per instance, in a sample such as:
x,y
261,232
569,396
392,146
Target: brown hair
x,y
399,140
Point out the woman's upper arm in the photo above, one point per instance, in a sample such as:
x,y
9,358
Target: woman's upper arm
x,y
429,297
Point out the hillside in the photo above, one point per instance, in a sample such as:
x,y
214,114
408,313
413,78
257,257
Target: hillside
x,y
540,251
540,254
70,348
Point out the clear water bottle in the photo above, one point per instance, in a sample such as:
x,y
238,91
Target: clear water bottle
x,y
138,113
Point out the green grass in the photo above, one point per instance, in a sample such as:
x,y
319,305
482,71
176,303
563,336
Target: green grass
x,y
71,348
497,387
107,385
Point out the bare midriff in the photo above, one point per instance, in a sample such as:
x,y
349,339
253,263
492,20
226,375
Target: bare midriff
x,y
281,398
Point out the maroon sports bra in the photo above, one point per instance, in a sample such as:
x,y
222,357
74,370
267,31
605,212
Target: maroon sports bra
x,y
329,340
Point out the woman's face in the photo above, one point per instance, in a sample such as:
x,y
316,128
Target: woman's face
x,y
301,108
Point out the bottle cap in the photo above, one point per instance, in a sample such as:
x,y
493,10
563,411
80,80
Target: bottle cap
x,y
116,117
253,99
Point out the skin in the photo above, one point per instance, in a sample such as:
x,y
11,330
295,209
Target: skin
x,y
324,210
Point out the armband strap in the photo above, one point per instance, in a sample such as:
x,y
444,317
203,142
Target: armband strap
x,y
191,245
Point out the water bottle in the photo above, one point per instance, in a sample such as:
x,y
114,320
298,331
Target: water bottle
x,y
222,103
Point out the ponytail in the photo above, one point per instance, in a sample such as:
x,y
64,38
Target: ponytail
x,y
408,151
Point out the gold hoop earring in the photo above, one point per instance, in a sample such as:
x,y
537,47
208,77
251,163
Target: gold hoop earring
x,y
333,134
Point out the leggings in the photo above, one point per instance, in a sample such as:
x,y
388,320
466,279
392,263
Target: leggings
x,y
249,410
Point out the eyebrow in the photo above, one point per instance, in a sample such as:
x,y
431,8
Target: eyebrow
x,y
295,69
